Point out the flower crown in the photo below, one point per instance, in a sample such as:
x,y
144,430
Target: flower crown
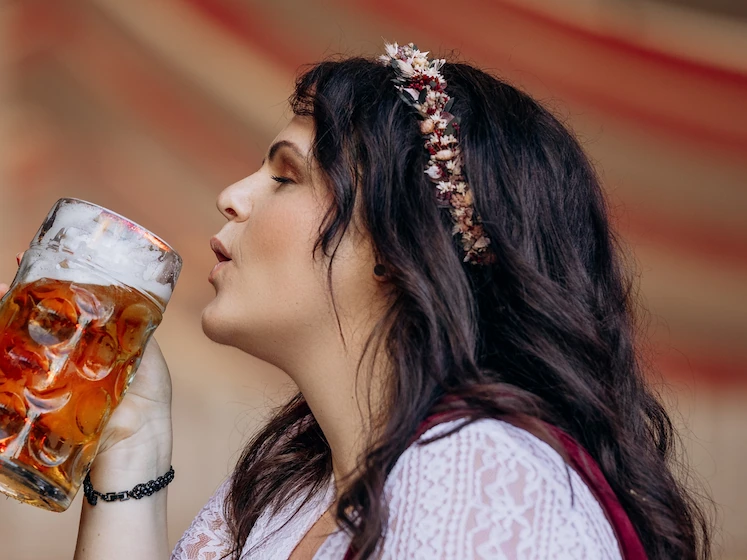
x,y
422,86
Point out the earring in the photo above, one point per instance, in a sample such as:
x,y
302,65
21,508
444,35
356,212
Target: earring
x,y
380,270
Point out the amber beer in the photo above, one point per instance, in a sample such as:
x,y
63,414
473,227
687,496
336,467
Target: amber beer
x,y
67,355
89,292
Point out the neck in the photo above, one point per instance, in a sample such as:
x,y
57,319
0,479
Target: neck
x,y
344,399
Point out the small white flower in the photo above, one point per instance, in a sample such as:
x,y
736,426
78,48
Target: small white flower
x,y
392,50
454,167
444,155
443,186
405,68
434,172
419,62
448,139
481,243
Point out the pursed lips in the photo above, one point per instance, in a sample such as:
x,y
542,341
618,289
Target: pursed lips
x,y
221,253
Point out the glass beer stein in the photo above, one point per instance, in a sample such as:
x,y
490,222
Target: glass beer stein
x,y
89,293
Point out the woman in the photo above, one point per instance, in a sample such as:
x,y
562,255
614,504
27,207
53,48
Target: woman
x,y
426,251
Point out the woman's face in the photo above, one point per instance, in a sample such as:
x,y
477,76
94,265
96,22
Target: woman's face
x,y
271,290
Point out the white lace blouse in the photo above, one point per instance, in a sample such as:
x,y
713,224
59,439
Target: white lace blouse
x,y
488,491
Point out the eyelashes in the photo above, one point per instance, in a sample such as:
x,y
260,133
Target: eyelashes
x,y
281,180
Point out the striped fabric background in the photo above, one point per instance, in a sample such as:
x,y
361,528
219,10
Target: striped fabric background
x,y
151,107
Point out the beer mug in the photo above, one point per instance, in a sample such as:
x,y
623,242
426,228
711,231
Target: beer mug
x,y
89,293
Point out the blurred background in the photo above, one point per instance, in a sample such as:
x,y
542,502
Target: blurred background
x,y
152,107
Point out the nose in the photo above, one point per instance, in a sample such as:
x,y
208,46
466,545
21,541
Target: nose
x,y
235,202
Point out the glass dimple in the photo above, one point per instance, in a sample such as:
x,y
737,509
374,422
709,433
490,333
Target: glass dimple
x,y
98,355
18,360
92,411
132,328
53,321
50,400
12,416
49,448
90,308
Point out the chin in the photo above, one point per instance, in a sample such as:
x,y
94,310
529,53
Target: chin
x,y
214,327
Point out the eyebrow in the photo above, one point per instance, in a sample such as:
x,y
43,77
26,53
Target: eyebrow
x,y
277,146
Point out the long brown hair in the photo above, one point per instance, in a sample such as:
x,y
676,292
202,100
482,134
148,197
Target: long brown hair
x,y
547,331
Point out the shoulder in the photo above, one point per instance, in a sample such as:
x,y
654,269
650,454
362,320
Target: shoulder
x,y
485,444
491,490
487,435
482,451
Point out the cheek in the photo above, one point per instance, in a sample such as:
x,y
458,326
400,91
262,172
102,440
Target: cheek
x,y
277,250
281,231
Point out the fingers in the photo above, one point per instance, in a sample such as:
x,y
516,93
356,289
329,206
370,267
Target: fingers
x,y
19,256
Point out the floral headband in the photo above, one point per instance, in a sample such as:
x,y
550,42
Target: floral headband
x,y
422,86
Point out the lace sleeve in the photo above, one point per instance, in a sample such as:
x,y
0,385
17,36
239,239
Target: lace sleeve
x,y
207,538
492,490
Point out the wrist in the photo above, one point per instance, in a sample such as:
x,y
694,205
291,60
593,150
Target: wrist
x,y
137,492
142,456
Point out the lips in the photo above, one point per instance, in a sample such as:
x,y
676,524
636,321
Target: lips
x,y
220,251
223,257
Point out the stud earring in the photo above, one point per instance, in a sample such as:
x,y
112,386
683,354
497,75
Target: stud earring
x,y
380,271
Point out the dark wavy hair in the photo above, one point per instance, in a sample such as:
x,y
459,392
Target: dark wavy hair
x,y
545,333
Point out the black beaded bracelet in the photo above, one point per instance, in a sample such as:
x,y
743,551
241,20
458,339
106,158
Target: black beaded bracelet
x,y
139,491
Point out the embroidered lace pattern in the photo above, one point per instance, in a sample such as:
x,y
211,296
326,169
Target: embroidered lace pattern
x,y
490,490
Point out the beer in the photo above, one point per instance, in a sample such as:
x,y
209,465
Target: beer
x,y
68,352
89,292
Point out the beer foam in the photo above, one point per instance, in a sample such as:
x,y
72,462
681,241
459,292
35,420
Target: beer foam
x,y
86,244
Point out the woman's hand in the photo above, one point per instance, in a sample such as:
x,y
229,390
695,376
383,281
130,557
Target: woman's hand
x,y
140,427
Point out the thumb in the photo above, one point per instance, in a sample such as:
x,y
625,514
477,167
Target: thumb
x,y
3,288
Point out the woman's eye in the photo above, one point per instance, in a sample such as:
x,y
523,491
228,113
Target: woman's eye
x,y
281,180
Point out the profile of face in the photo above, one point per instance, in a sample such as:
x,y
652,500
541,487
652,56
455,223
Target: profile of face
x,y
272,293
